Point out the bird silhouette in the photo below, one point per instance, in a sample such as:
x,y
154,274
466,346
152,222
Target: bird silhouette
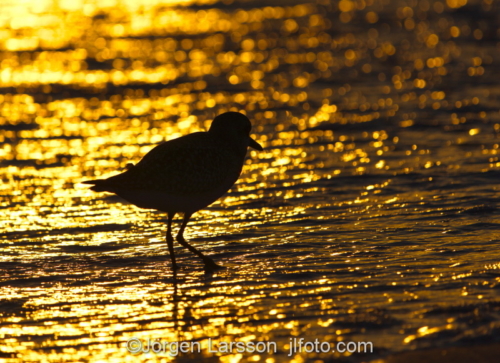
x,y
186,174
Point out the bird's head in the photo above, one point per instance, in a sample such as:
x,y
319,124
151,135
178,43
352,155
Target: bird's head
x,y
233,128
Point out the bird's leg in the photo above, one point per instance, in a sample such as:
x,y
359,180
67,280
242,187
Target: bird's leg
x,y
170,240
210,265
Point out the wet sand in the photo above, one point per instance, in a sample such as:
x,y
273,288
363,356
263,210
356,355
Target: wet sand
x,y
488,353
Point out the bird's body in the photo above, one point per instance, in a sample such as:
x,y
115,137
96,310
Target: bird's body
x,y
181,175
186,174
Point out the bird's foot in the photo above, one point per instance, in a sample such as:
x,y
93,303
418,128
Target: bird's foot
x,y
211,266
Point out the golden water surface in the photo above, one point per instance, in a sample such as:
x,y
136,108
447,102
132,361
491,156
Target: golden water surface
x,y
371,215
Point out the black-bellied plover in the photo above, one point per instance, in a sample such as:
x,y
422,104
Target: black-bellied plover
x,y
186,174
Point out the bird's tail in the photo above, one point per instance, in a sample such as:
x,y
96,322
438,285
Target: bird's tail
x,y
98,185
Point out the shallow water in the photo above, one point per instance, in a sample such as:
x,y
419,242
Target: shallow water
x,y
371,215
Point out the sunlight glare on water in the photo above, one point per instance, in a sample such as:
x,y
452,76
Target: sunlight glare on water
x,y
371,214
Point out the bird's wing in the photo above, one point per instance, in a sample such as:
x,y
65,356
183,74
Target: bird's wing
x,y
192,164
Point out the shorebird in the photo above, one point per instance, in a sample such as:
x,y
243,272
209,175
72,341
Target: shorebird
x,y
186,174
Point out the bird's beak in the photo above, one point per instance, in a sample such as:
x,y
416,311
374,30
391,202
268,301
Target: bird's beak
x,y
254,144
